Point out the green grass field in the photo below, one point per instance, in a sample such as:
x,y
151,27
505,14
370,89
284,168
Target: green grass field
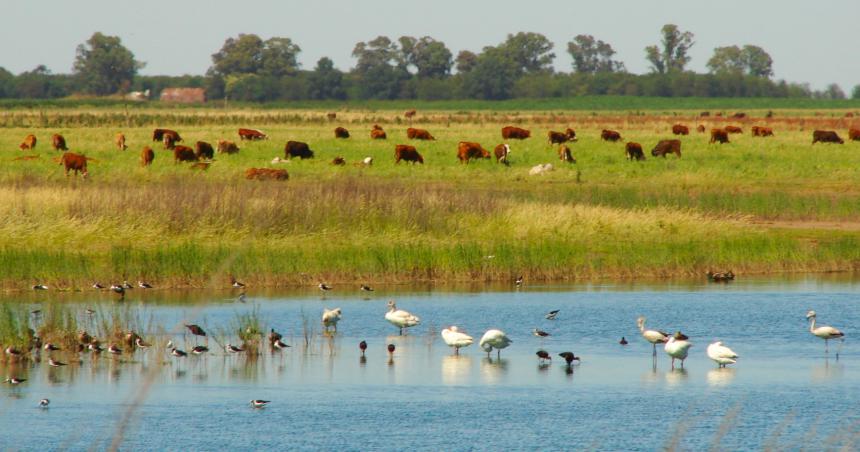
x,y
755,205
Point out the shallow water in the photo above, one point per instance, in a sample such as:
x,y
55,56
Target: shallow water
x,y
782,393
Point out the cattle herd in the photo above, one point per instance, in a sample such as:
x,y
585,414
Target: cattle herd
x,y
203,153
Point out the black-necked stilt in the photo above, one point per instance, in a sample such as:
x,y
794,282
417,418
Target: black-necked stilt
x,y
50,347
552,314
116,288
40,287
324,287
236,284
362,346
98,286
140,344
540,333
279,344
366,288
44,403
144,285
519,281
114,350
54,363
569,357
274,336
196,330
90,311
230,348
199,349
127,285
178,353
543,355
12,351
95,347
623,341
14,381
257,403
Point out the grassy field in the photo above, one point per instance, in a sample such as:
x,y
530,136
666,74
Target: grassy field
x,y
755,205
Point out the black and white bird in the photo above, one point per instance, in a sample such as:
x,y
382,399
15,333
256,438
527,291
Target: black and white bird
x,y
196,330
116,288
199,349
144,285
258,403
98,286
366,288
236,284
552,314
540,333
95,347
44,403
12,351
569,357
623,341
114,350
140,344
50,347
127,285
40,287
324,287
14,381
519,281
178,353
274,336
280,345
230,348
54,363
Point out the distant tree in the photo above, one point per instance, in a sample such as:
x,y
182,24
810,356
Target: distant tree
x,y
674,54
834,91
855,93
326,82
493,75
758,61
466,61
381,68
591,56
530,52
279,57
376,53
431,58
248,54
7,83
751,60
104,66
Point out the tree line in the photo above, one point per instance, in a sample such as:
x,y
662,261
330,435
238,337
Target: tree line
x,y
248,68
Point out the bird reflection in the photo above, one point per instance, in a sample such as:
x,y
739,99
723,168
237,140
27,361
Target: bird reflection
x,y
676,376
720,376
828,370
492,370
456,369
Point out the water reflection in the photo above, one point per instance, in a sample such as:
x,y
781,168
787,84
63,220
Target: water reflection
x,y
720,376
676,377
493,370
456,369
828,371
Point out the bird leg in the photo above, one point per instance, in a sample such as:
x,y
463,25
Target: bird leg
x,y
673,363
654,346
401,331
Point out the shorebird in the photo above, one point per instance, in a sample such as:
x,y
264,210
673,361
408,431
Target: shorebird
x,y
257,403
552,314
280,345
453,337
230,348
391,350
494,339
140,344
399,318
366,288
721,354
14,381
114,350
543,356
196,330
653,336
95,347
40,287
720,276
199,349
178,353
330,318
540,333
144,285
84,337
118,289
44,403
569,357
89,311
677,347
274,336
236,284
98,286
362,346
824,332
623,341
12,351
36,312
127,285
519,281
54,363
49,347
324,287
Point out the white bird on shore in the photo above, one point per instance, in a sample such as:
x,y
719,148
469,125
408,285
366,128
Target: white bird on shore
x,y
824,332
400,318
494,339
721,354
455,338
678,347
653,336
330,318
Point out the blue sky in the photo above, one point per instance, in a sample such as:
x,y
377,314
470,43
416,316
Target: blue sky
x,y
812,42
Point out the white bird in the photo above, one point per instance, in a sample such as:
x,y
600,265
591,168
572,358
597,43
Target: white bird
x,y
678,347
44,403
367,161
330,318
257,403
653,336
230,348
400,318
454,338
279,344
54,363
721,354
144,285
40,287
494,339
824,332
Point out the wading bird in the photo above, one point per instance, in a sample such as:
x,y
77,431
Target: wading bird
x,y
140,344
40,287
453,337
399,318
824,332
257,403
178,353
49,347
127,285
230,348
540,333
653,336
362,346
114,350
14,381
494,339
280,345
721,354
54,363
543,356
552,314
677,347
199,349
324,287
196,330
44,403
98,286
330,318
391,349
366,288
519,281
116,288
236,284
569,357
144,285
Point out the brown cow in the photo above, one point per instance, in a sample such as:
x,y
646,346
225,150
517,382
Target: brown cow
x,y
719,135
158,134
252,134
502,151
169,141
418,134
826,136
667,147
739,116
338,161
758,131
74,162
119,140
700,129
266,174
854,134
58,142
680,129
28,143
407,153
204,150
409,114
633,151
561,137
183,154
704,114
331,116
516,133
227,147
733,129
340,132
298,149
467,150
377,133
610,135
565,155
147,155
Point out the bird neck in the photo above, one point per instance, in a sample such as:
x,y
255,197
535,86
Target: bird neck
x,y
812,325
641,327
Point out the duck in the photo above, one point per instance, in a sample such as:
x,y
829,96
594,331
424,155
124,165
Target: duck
x,y
495,339
455,338
677,347
721,354
400,318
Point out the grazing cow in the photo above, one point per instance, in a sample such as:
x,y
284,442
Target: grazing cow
x,y
719,136
826,136
565,155
119,140
409,114
758,131
680,129
733,129
561,137
377,133
667,147
849,115
407,153
704,114
58,142
158,135
515,133
502,151
340,132
74,162
183,154
700,129
338,161
739,116
331,116
610,135
147,155
204,150
252,134
266,174
854,134
633,151
227,147
467,150
418,134
28,143
298,149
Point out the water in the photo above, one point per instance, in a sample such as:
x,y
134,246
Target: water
x,y
782,393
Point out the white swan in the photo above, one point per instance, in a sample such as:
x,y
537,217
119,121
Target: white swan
x,y
494,339
824,332
399,318
330,318
677,347
653,336
454,338
721,354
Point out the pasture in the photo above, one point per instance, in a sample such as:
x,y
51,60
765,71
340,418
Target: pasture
x,y
755,205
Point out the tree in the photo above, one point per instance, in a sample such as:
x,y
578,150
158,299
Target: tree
x,y
758,62
248,54
431,58
375,53
104,66
751,60
326,82
466,61
493,75
381,68
530,52
834,91
855,93
591,56
673,57
279,57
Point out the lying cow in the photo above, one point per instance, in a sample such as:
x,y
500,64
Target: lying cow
x,y
74,162
502,151
183,154
561,137
298,149
467,150
252,134
58,142
407,153
147,155
227,147
28,143
733,129
204,150
680,129
633,151
719,136
610,135
515,133
377,133
340,132
667,147
266,174
565,155
418,134
826,136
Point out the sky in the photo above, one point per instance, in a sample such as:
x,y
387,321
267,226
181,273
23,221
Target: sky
x,y
810,42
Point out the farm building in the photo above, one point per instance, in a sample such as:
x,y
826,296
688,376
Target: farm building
x,y
183,95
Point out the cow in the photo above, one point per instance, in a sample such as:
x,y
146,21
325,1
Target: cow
x,y
183,154
502,151
418,134
169,141
733,129
58,142
826,136
700,129
407,153
667,147
28,143
338,161
758,131
610,135
147,155
204,150
252,134
266,174
704,114
119,140
227,147
298,149
680,129
340,132
561,137
565,155
515,133
633,151
331,116
854,134
719,136
467,150
409,114
739,115
74,162
377,133
158,134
